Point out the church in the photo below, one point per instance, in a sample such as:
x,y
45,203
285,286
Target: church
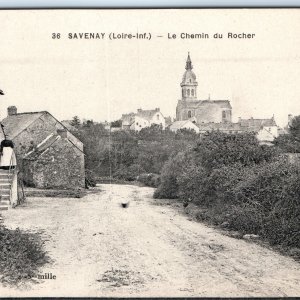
x,y
209,115
199,111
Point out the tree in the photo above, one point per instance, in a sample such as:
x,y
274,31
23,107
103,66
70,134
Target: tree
x,y
117,123
295,128
75,121
290,142
88,123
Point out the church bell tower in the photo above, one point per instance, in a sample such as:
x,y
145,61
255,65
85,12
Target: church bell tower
x,y
189,83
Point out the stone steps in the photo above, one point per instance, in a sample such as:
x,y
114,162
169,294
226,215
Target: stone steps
x,y
5,185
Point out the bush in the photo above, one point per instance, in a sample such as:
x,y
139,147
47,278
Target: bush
x,y
248,187
217,149
21,255
273,193
263,199
200,172
168,187
149,179
287,144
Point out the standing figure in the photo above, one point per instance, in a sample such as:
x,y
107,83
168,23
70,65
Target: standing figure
x,y
7,155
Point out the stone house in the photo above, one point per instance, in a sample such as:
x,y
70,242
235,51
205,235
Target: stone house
x,y
142,119
266,129
48,154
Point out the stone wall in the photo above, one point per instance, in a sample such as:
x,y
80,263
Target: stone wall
x,y
205,113
35,134
60,166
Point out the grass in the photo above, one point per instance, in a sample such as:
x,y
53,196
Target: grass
x,y
21,256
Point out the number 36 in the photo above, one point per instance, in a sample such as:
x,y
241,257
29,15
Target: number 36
x,y
55,35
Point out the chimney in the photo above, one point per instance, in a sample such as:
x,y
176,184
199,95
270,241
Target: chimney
x,y
63,133
11,110
157,109
139,110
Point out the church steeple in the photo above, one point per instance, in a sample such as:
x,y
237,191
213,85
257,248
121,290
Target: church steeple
x,y
189,82
188,65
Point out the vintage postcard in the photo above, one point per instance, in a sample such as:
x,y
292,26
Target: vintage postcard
x,y
150,153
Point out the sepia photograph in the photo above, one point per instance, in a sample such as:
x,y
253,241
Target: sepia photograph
x,y
150,153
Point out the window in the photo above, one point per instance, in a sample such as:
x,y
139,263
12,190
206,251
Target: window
x,y
188,93
137,123
223,114
189,114
157,117
190,80
192,92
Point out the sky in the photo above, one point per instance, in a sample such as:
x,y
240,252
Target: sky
x,y
102,79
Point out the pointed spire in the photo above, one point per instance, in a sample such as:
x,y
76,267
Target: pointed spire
x,y
188,65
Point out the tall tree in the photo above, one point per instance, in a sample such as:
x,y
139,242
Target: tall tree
x,y
75,121
295,128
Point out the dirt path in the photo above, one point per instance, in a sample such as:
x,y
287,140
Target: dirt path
x,y
101,249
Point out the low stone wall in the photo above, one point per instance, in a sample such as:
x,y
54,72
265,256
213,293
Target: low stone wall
x,y
34,192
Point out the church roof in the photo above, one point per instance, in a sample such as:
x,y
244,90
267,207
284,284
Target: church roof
x,y
15,124
222,103
188,65
189,76
199,103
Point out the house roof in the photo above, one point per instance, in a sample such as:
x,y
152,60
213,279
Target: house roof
x,y
225,127
127,119
256,124
244,125
147,114
179,124
15,124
